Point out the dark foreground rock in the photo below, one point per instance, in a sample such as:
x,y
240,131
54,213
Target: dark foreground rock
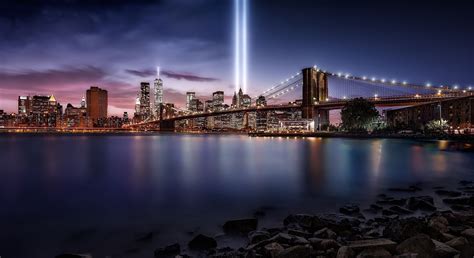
x,y
405,227
168,251
202,242
74,256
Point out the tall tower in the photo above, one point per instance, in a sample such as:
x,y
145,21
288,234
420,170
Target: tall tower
x,y
145,105
158,93
83,102
97,103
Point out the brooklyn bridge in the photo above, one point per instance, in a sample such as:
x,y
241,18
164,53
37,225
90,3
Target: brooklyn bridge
x,y
322,91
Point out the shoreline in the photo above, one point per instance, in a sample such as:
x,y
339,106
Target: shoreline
x,y
391,226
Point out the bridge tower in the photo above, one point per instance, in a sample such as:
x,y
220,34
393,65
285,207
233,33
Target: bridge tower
x,y
315,90
165,125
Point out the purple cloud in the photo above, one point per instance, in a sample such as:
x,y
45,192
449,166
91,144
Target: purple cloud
x,y
172,75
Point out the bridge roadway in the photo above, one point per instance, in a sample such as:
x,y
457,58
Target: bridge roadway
x,y
328,105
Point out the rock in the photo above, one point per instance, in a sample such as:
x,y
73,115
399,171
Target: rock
x,y
202,242
372,243
448,193
168,251
295,252
467,252
345,252
457,243
377,252
443,250
74,256
273,249
300,233
424,203
420,244
467,200
325,233
324,244
439,223
258,236
303,221
376,207
469,234
457,207
288,239
351,210
400,211
240,226
399,230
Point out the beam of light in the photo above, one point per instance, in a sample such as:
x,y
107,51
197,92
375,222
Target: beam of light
x,y
244,46
237,45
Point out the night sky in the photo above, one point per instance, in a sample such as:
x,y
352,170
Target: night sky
x,y
62,47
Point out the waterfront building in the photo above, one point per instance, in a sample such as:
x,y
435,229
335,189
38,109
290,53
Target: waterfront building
x,y
261,118
158,94
145,104
189,97
97,103
75,116
196,105
218,101
209,106
45,111
24,105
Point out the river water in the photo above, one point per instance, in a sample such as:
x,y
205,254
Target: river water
x,y
126,195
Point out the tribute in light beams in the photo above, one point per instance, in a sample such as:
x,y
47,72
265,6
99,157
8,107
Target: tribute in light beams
x,y
241,47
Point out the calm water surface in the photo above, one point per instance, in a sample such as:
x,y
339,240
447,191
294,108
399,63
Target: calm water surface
x,y
101,194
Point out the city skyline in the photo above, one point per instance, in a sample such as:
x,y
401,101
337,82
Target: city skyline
x,y
111,57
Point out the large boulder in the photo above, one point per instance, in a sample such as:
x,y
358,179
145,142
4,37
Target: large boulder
x,y
240,226
258,236
168,251
443,250
351,210
325,233
273,249
469,234
377,252
296,252
458,243
420,244
439,223
345,252
202,242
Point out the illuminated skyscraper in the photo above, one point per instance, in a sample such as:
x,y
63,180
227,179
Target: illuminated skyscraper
x,y
158,93
189,97
145,105
24,105
97,103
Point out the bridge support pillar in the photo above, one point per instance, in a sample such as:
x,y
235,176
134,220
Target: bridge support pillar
x,y
321,119
167,125
315,90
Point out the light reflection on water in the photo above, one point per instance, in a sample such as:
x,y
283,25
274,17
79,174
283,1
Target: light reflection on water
x,y
177,182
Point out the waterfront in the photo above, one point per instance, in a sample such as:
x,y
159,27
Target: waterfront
x,y
105,194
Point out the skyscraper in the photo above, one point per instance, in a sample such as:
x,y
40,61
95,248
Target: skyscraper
x,y
158,93
24,105
189,97
97,103
145,104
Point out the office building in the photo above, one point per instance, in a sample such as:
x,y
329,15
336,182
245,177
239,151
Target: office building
x,y
97,103
189,97
145,104
158,93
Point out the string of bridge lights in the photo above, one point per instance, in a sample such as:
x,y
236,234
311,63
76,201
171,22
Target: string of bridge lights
x,y
366,79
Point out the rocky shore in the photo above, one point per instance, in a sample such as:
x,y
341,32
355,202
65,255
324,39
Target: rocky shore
x,y
412,226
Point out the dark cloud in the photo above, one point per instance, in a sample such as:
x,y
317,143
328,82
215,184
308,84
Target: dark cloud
x,y
143,73
38,80
188,77
172,75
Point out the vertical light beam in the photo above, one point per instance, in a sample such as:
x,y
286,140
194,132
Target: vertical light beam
x,y
237,45
244,46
